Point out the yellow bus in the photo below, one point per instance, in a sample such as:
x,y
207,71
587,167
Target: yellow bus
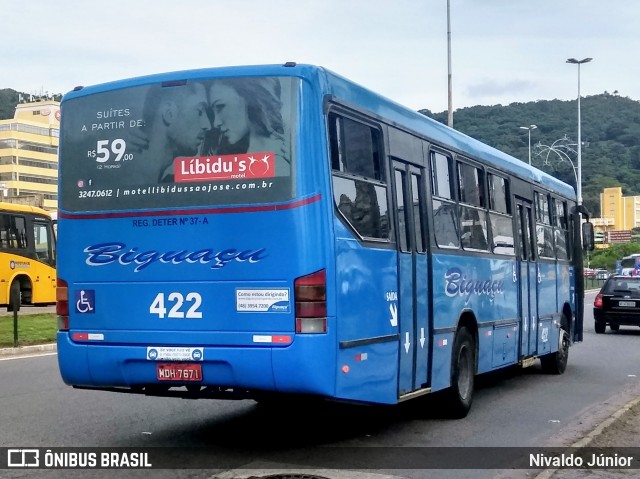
x,y
27,255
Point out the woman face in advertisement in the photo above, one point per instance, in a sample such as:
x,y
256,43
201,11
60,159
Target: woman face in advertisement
x,y
189,120
230,112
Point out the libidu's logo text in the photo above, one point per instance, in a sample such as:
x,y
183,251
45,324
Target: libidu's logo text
x,y
225,167
103,254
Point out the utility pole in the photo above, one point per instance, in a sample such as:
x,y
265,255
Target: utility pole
x,y
450,114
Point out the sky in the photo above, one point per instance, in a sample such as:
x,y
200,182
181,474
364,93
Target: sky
x,y
502,51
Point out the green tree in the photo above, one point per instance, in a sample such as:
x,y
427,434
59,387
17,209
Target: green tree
x,y
8,102
606,258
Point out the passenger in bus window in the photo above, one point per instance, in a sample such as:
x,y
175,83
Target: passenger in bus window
x,y
247,113
175,124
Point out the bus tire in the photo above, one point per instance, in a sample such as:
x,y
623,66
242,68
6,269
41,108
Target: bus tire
x,y
463,369
556,363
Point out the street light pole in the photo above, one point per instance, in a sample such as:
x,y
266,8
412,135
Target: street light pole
x,y
562,150
450,101
579,167
529,128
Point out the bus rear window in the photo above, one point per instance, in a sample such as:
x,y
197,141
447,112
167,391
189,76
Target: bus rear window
x,y
186,143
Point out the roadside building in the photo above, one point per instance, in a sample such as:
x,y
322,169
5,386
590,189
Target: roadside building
x,y
29,154
619,215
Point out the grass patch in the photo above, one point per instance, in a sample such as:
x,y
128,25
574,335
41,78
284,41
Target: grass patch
x,y
32,329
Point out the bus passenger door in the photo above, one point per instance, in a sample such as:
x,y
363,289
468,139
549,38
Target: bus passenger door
x,y
527,275
413,327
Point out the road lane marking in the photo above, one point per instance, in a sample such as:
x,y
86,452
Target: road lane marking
x,y
27,356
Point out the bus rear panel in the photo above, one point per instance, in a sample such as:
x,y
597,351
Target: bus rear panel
x,y
193,256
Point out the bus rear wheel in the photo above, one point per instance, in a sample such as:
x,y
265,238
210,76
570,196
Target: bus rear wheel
x,y
556,363
463,369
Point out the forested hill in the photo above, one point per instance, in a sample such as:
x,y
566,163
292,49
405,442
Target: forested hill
x,y
8,102
610,136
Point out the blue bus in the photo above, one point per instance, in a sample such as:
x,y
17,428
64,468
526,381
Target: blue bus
x,y
262,231
630,265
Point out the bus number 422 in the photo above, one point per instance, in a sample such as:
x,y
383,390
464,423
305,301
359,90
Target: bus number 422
x,y
179,305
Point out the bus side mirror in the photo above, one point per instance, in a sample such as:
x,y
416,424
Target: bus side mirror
x,y
588,241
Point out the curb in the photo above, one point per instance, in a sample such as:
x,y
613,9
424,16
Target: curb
x,y
27,350
585,441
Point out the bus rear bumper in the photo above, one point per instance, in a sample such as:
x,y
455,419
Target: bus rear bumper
x,y
238,371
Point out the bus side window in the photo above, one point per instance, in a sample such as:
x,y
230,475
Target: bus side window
x,y
445,224
562,239
502,234
500,215
561,229
544,236
363,205
544,230
42,242
5,231
418,202
360,193
445,213
356,148
474,228
14,232
473,219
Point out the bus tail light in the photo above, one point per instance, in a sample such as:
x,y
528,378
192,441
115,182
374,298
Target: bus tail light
x,y
597,303
62,305
310,294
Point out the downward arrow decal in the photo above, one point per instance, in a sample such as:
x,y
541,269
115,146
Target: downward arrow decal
x,y
393,309
422,338
407,344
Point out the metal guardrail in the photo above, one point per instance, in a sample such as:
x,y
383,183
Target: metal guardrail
x,y
592,282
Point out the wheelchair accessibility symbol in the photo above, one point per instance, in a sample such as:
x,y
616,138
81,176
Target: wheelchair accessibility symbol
x,y
85,301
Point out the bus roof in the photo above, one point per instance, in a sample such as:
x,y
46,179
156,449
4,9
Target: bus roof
x,y
350,92
442,134
20,208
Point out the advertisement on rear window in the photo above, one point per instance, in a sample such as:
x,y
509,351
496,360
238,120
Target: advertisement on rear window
x,y
181,143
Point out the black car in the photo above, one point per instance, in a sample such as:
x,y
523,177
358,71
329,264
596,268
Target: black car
x,y
617,304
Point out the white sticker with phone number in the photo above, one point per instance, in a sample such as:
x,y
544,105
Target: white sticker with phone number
x,y
263,300
160,353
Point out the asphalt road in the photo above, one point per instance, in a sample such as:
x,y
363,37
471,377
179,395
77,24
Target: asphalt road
x,y
516,408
